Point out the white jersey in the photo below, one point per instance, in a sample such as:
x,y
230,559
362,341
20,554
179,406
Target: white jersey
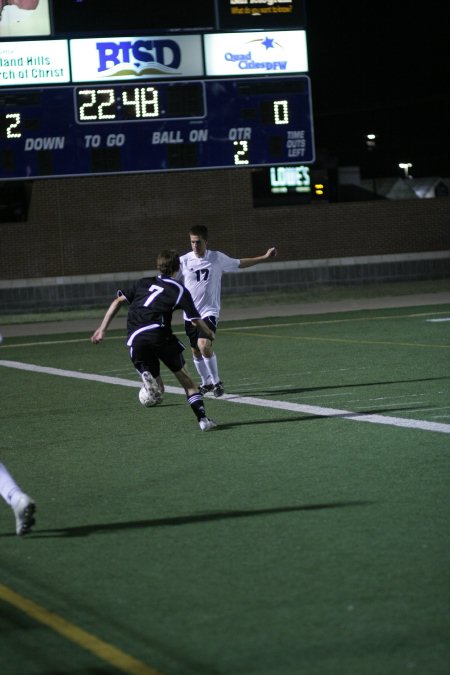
x,y
203,278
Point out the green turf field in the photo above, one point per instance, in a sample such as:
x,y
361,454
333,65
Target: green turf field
x,y
307,535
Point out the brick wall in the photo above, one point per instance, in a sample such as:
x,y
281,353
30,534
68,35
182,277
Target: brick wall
x,y
112,224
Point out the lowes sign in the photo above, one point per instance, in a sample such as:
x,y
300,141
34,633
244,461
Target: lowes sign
x,y
138,57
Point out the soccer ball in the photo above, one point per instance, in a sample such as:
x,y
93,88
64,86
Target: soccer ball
x,y
148,399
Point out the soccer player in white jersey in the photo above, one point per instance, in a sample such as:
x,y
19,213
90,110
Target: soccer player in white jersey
x,y
22,505
202,271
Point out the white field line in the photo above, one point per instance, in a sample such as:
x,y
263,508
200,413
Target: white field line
x,y
245,400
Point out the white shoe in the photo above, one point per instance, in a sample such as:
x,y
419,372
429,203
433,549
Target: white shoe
x,y
206,424
152,387
24,511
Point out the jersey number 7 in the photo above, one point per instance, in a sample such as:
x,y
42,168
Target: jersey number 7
x,y
154,291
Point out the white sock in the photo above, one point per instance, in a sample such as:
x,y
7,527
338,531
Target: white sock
x,y
202,370
211,364
9,489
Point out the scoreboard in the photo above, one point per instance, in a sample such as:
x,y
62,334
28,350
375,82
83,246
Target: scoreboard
x,y
152,126
183,95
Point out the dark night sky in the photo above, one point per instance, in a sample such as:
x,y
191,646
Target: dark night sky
x,y
381,67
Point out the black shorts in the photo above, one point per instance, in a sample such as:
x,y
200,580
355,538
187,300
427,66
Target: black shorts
x,y
195,333
147,353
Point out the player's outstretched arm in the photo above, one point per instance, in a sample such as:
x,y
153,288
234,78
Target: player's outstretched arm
x,y
111,312
249,262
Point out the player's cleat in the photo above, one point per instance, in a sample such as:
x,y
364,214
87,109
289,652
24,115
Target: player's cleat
x,y
206,424
205,388
24,511
219,389
152,388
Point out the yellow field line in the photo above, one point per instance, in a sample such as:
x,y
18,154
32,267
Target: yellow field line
x,y
330,321
248,333
247,330
344,340
56,342
115,657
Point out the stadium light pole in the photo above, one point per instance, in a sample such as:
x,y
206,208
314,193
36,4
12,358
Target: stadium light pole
x,y
406,166
371,145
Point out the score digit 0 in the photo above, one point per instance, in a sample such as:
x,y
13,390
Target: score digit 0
x,y
281,112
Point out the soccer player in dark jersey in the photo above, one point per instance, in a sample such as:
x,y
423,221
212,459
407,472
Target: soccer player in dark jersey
x,y
151,303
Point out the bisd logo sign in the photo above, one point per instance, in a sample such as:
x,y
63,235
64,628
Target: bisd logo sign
x,y
129,58
139,57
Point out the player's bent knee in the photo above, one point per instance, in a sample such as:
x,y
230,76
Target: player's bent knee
x,y
205,347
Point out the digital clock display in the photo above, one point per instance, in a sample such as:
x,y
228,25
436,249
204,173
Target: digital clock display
x,y
125,103
155,126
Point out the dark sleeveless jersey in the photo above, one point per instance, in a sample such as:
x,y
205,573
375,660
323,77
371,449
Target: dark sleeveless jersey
x,y
152,301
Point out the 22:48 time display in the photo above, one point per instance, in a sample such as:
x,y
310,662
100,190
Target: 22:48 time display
x,y
121,104
100,104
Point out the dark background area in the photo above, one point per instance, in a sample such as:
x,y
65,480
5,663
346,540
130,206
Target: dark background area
x,y
381,68
104,16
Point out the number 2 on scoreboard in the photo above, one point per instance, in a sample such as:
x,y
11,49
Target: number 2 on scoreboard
x,y
12,129
241,154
